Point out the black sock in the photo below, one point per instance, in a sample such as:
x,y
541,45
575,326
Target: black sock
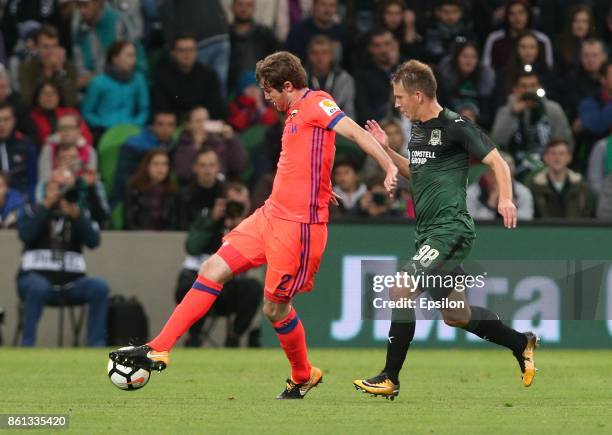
x,y
486,325
401,334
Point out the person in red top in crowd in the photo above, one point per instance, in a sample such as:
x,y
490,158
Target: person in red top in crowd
x,y
48,109
249,107
68,134
288,233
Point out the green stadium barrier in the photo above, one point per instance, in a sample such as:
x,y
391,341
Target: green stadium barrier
x,y
330,323
108,151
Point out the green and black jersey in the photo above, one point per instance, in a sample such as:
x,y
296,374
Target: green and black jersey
x,y
439,151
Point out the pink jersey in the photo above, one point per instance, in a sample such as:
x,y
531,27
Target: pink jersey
x,y
302,186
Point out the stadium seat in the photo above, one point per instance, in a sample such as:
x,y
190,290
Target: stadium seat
x,y
117,217
349,149
253,136
108,151
76,313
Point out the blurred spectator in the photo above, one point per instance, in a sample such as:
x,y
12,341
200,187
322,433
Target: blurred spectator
x,y
604,205
584,79
67,9
9,96
373,98
376,201
527,123
347,186
596,111
131,11
53,233
395,16
47,109
17,154
469,109
462,78
181,83
209,27
579,27
600,164
68,134
279,15
482,196
87,189
120,95
153,36
49,64
24,49
486,15
289,13
322,22
559,192
11,203
325,74
526,56
499,44
199,196
241,295
201,133
449,25
397,142
95,28
160,134
249,40
151,198
17,14
249,108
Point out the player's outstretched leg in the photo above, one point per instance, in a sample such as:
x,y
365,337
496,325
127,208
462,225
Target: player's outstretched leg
x,y
292,337
195,304
401,333
486,325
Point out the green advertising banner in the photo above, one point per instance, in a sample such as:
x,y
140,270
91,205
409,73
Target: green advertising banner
x,y
555,280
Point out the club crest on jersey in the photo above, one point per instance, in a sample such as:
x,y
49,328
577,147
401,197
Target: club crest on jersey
x,y
329,107
435,138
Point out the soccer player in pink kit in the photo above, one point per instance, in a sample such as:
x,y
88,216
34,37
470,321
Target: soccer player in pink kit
x,y
288,233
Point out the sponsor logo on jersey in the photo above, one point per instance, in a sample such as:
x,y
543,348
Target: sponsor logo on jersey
x,y
421,157
435,138
329,107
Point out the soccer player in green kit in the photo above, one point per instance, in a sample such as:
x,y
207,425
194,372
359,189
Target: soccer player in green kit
x,y
437,167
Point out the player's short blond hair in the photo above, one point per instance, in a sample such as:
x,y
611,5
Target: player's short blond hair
x,y
280,67
416,76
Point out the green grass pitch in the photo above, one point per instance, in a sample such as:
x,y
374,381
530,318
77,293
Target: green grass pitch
x,y
232,391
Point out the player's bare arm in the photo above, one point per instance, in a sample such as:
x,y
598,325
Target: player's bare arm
x,y
379,134
500,168
352,131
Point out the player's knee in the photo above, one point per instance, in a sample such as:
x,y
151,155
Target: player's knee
x,y
215,269
275,312
457,322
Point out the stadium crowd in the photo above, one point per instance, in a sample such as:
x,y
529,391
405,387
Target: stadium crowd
x,y
124,95
146,115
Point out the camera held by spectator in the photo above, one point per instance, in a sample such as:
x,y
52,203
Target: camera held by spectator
x,y
376,202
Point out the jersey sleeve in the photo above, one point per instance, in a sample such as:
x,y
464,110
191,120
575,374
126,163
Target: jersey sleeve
x,y
472,139
324,112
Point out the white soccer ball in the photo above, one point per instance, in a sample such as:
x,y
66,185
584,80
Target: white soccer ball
x,y
127,378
